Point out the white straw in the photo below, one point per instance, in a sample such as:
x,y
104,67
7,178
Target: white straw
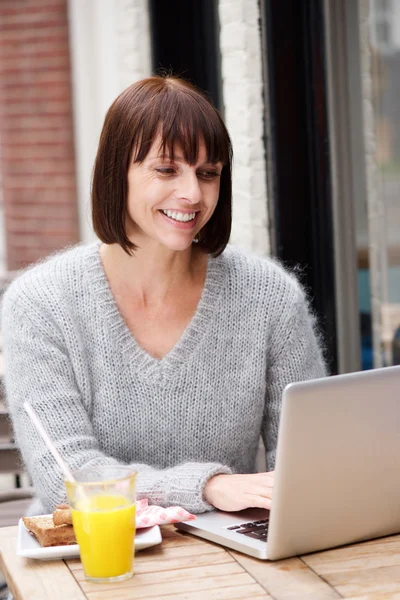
x,y
35,420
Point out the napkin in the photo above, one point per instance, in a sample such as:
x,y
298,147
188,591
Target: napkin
x,y
147,516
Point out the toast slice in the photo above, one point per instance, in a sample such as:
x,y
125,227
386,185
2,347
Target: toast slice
x,y
48,534
62,516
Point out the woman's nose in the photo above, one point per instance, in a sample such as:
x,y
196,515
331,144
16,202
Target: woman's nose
x,y
189,188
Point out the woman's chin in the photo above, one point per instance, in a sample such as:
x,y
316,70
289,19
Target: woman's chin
x,y
175,242
177,245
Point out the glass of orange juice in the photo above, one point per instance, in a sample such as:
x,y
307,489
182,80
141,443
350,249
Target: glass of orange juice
x,y
102,501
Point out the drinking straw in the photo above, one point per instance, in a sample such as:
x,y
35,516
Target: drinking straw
x,y
36,421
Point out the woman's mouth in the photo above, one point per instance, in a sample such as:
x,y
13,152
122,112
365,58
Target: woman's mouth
x,y
182,220
179,216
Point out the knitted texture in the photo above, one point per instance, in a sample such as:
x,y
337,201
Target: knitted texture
x,y
178,421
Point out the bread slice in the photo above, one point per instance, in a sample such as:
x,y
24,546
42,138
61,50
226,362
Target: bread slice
x,y
48,534
62,516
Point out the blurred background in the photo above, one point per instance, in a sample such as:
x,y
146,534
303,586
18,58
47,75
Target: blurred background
x,y
310,92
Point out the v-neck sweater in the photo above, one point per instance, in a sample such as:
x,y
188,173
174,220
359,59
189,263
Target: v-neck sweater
x,y
197,412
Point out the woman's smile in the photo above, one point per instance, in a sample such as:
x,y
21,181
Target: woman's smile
x,y
182,219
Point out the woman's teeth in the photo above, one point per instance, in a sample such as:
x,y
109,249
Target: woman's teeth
x,y
178,216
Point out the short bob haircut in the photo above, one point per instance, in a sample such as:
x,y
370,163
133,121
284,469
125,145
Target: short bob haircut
x,y
182,115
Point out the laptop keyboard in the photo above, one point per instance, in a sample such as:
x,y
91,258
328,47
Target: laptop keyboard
x,y
257,530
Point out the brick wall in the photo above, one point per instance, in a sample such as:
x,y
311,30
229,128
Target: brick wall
x,y
134,47
240,43
36,130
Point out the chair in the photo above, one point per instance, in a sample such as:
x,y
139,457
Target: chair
x,y
14,501
10,460
14,504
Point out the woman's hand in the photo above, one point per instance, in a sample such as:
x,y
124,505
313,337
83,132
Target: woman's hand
x,y
236,492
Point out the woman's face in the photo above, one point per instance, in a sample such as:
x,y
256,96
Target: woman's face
x,y
170,201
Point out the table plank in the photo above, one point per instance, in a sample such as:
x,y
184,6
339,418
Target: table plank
x,y
180,562
380,581
228,569
367,555
164,552
243,592
367,569
34,579
175,537
377,596
203,587
287,579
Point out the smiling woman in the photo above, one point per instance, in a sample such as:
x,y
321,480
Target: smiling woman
x,y
158,346
163,135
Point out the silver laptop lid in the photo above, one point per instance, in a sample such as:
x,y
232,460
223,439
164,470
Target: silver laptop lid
x,y
338,463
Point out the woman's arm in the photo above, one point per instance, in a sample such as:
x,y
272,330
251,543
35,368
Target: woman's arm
x,y
295,355
39,369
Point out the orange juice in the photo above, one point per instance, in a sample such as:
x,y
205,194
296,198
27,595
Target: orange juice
x,y
104,526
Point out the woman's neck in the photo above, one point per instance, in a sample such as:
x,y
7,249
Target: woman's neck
x,y
151,277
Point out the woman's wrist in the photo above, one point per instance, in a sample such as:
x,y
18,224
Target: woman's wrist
x,y
211,488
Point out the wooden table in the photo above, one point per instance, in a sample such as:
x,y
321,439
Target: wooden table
x,y
188,568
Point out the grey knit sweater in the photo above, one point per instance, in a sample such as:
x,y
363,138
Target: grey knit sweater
x,y
197,412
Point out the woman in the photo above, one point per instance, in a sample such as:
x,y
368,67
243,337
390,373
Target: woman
x,y
158,347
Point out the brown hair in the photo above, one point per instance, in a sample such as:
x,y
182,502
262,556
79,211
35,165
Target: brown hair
x,y
182,115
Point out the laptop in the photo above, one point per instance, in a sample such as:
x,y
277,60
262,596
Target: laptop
x,y
337,471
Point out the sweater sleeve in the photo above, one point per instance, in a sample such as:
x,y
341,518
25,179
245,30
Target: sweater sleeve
x,y
39,369
296,355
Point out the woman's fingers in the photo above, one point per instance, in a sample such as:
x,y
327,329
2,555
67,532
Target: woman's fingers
x,y
257,501
264,491
236,492
268,478
259,492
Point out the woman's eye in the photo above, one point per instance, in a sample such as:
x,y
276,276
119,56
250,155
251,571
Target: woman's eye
x,y
166,171
209,175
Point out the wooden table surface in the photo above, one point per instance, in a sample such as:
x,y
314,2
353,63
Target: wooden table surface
x,y
187,568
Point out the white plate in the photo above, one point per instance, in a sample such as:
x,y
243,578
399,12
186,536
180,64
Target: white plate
x,y
29,547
